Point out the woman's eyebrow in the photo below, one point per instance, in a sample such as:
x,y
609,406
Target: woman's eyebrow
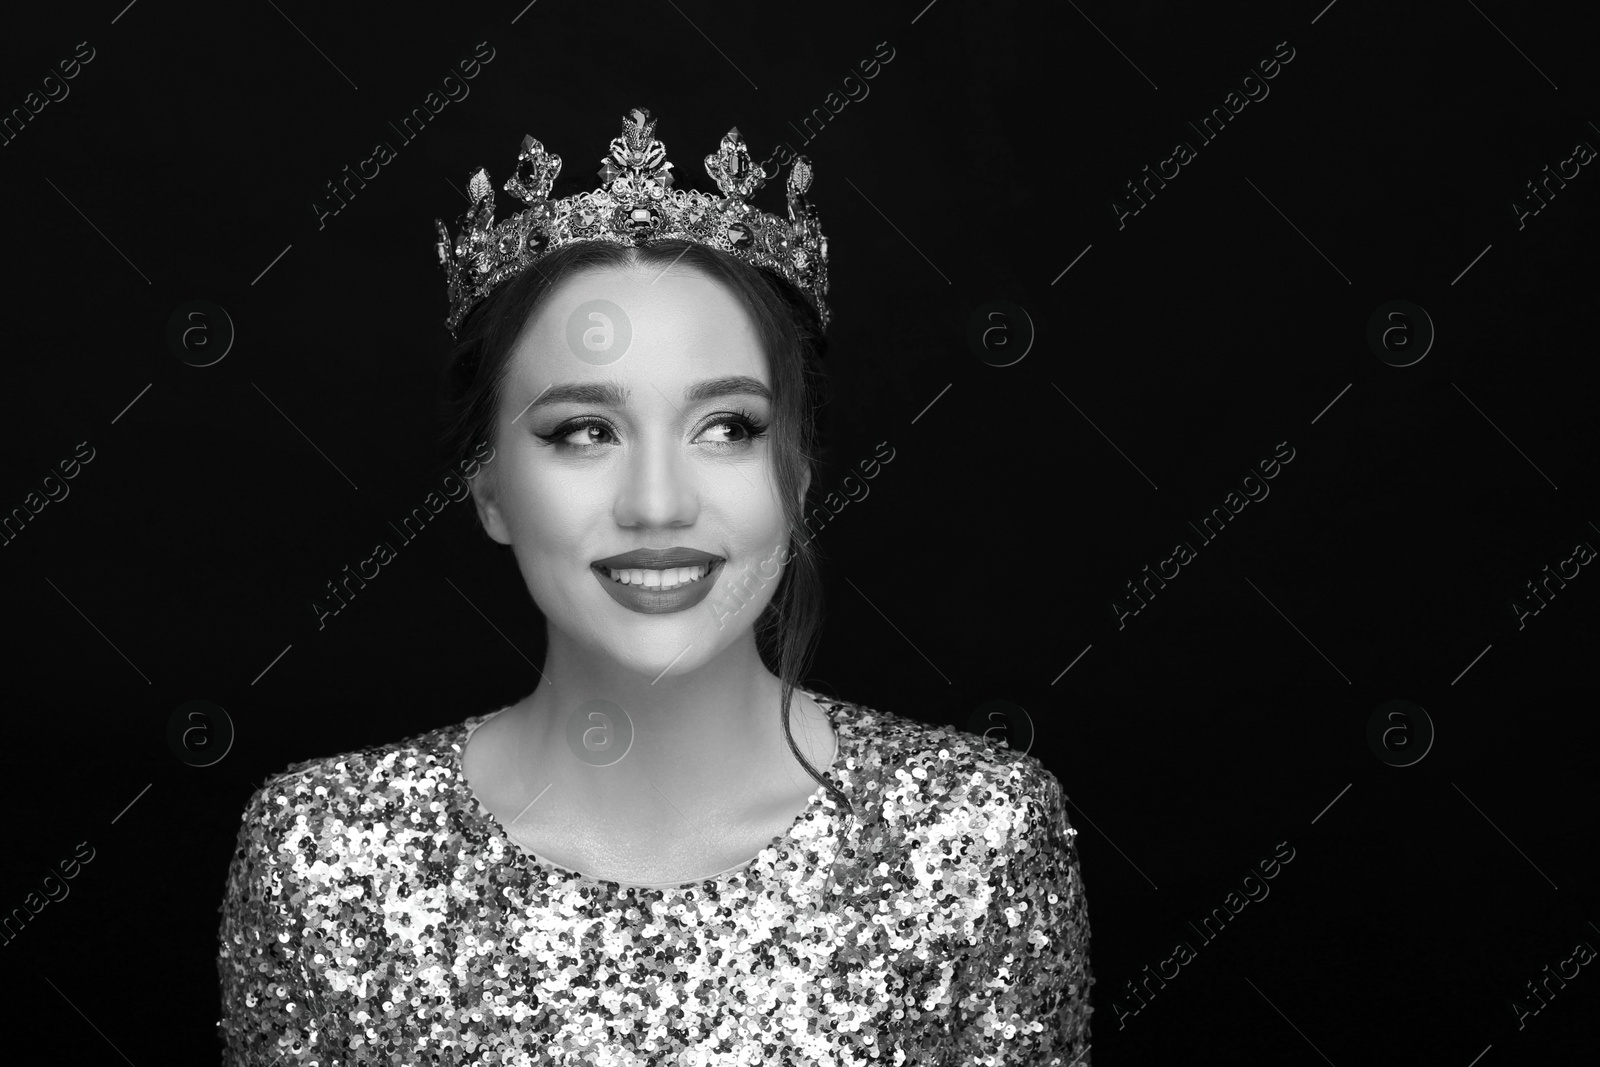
x,y
733,385
612,394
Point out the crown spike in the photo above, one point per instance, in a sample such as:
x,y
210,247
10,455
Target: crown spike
x,y
479,186
637,128
535,174
799,177
730,167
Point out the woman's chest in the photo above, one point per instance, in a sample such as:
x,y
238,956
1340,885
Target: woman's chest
x,y
659,845
520,969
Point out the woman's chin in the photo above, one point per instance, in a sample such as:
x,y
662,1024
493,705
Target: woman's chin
x,y
652,647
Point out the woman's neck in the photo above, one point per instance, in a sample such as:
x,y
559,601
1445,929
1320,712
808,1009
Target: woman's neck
x,y
618,740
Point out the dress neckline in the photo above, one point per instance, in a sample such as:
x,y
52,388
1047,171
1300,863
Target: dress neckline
x,y
532,860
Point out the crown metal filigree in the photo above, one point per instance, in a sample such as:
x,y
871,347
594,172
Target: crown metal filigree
x,y
634,204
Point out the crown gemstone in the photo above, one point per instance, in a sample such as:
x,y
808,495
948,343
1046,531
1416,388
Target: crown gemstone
x,y
642,219
739,235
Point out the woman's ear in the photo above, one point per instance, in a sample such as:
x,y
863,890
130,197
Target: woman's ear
x,y
484,490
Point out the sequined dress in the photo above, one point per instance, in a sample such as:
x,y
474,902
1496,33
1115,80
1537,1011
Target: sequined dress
x,y
377,913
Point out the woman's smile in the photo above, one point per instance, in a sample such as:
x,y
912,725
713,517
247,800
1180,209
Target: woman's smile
x,y
658,580
652,591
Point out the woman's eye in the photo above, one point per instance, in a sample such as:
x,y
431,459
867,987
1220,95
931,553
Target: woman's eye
x,y
739,431
583,436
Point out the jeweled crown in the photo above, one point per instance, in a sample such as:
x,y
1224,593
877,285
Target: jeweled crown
x,y
634,204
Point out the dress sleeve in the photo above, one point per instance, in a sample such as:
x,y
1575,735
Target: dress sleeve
x,y
1025,986
268,1014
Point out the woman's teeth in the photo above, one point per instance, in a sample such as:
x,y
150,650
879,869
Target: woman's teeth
x,y
671,578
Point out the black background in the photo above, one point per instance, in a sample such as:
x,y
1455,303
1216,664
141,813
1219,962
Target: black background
x,y
1224,318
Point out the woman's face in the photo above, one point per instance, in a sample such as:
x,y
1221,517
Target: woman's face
x,y
631,417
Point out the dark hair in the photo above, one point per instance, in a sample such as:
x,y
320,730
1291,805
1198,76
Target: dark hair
x,y
792,336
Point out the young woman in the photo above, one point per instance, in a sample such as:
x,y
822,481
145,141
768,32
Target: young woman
x,y
670,852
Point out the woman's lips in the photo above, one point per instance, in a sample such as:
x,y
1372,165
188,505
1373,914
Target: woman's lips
x,y
650,599
659,558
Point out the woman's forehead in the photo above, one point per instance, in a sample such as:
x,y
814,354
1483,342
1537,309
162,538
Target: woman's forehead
x,y
638,321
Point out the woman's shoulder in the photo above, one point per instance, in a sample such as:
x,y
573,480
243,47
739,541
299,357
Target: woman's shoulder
x,y
927,766
895,739
371,782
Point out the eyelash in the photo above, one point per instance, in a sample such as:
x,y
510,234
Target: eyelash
x,y
753,427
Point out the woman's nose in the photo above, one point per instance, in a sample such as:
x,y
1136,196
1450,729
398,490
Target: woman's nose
x,y
658,487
